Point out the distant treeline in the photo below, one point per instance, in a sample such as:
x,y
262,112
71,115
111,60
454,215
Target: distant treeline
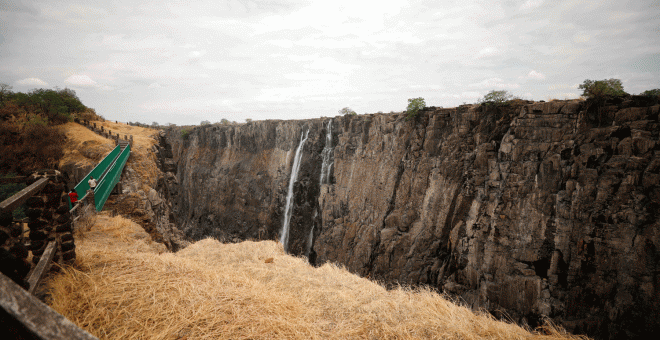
x,y
156,125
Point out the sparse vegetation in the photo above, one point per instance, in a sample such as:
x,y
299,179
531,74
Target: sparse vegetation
x,y
497,98
347,111
29,139
185,134
600,89
89,114
58,105
414,106
651,93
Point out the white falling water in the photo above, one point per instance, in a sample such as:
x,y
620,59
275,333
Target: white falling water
x,y
325,154
310,239
325,178
284,239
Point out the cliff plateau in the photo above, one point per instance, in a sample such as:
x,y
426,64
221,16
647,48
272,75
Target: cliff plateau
x,y
543,209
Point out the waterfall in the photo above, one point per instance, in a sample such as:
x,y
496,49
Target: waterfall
x,y
326,166
284,239
310,239
327,151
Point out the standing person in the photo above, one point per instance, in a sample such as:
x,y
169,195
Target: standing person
x,y
92,183
73,196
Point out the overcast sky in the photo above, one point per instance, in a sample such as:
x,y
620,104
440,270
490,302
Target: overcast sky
x,y
186,61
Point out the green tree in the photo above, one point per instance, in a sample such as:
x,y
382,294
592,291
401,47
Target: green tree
x,y
600,89
5,92
205,122
651,93
597,91
497,97
347,111
185,134
414,106
224,121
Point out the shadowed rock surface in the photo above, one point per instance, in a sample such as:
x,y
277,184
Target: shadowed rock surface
x,y
540,209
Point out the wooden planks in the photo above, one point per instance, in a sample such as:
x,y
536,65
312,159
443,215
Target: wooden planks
x,y
43,265
36,317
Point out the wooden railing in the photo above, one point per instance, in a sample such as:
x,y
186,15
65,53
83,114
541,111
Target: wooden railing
x,y
25,317
107,133
19,198
22,315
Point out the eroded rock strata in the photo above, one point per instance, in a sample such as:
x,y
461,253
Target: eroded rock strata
x,y
544,209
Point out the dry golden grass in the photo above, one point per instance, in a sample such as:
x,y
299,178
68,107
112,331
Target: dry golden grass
x,y
83,147
124,286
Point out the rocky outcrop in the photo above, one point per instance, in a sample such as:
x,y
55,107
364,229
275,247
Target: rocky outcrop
x,y
543,209
150,206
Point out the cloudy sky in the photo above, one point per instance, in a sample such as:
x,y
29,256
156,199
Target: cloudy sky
x,y
186,61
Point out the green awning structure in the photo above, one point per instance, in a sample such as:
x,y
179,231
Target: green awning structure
x,y
107,174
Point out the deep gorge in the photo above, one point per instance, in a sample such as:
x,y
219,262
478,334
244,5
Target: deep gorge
x,y
541,209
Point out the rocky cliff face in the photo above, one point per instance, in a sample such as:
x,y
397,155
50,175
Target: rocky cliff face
x,y
535,210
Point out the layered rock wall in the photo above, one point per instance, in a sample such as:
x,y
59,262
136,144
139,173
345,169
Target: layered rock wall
x,y
544,209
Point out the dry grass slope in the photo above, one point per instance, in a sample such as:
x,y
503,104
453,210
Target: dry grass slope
x,y
124,286
83,147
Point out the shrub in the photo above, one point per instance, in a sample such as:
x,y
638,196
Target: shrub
x,y
89,114
497,97
185,134
347,111
651,93
414,106
599,89
224,121
30,147
205,122
37,120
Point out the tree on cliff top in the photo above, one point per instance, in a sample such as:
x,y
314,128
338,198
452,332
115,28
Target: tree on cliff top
x,y
651,93
496,97
5,91
414,106
347,111
599,89
597,92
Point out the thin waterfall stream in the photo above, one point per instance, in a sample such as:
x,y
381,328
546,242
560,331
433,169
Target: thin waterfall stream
x,y
326,165
325,154
284,239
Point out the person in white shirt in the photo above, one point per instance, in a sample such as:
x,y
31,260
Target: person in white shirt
x,y
92,183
